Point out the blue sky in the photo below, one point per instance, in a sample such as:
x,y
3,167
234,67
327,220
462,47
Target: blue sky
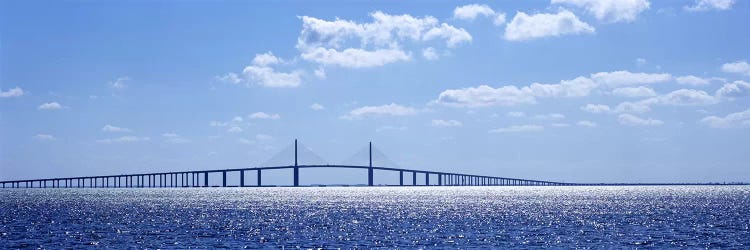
x,y
563,90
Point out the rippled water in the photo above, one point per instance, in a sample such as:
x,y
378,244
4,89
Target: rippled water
x,y
351,217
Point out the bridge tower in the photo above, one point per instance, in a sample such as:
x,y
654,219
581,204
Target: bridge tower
x,y
369,170
296,168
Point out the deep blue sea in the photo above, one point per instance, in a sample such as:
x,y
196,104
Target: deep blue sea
x,y
378,217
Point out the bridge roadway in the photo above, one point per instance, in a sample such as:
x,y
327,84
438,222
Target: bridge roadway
x,y
201,179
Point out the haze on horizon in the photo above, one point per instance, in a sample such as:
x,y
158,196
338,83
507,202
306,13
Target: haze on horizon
x,y
560,90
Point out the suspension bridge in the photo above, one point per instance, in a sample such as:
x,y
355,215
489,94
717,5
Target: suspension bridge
x,y
406,177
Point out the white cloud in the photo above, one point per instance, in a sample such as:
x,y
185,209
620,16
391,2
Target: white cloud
x,y
355,58
705,5
586,123
50,106
680,97
471,11
261,73
527,27
218,124
553,116
124,139
640,62
499,19
110,128
14,92
732,90
510,95
266,59
639,91
632,107
618,78
174,138
739,67
320,73
560,125
632,120
119,83
683,97
44,137
263,115
733,120
230,78
452,35
358,45
383,110
234,122
518,128
692,80
484,95
446,123
596,108
516,114
430,54
316,106
578,87
234,129
268,77
610,10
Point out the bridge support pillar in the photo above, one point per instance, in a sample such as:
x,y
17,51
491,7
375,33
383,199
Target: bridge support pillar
x,y
440,179
259,179
369,170
370,177
242,178
296,176
400,178
426,179
414,178
205,179
296,168
224,178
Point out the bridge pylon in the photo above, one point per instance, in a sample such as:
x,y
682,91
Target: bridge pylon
x,y
296,167
370,170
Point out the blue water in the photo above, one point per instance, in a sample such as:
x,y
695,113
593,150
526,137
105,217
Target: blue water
x,y
387,217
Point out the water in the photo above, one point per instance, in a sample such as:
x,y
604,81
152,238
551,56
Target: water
x,y
387,217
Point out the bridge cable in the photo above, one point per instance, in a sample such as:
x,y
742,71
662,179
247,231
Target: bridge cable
x,y
306,156
285,157
380,159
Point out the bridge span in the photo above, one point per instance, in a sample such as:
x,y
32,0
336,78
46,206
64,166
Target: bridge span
x,y
200,178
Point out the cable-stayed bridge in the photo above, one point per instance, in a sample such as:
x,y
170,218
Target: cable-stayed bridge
x,y
368,159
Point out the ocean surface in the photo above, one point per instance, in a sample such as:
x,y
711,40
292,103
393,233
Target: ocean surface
x,y
378,217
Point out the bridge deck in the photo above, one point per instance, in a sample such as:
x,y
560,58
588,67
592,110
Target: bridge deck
x,y
193,178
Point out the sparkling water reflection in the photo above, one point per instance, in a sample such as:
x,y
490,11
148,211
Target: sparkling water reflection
x,y
347,217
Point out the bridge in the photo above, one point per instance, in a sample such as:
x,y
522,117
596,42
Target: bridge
x,y
201,178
